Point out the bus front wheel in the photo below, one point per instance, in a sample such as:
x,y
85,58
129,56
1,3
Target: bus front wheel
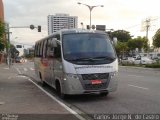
x,y
59,91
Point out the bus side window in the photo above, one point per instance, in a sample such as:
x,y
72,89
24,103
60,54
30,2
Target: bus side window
x,y
57,36
57,51
45,49
35,50
41,49
50,49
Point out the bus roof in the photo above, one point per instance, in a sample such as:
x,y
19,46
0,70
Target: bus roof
x,y
68,31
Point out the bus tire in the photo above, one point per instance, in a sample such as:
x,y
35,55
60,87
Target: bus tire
x,y
58,90
43,83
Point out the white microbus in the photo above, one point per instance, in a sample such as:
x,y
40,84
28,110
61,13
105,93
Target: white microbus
x,y
77,61
20,48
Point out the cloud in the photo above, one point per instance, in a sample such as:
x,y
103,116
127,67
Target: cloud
x,y
116,14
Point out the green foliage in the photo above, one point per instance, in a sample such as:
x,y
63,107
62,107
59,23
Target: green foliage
x,y
131,44
127,64
121,48
139,42
2,31
7,45
146,46
122,35
156,39
29,56
155,65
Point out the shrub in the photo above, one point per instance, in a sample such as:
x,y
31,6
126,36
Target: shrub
x,y
154,65
127,64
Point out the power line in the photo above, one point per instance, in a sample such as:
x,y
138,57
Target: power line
x,y
133,26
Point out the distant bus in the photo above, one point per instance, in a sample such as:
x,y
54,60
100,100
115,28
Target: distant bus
x,y
77,62
20,48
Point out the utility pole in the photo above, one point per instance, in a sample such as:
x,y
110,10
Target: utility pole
x,y
8,61
147,26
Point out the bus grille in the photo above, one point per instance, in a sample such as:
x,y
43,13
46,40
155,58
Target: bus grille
x,y
95,76
96,86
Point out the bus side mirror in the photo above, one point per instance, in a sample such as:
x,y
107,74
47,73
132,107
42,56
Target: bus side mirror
x,y
54,42
114,40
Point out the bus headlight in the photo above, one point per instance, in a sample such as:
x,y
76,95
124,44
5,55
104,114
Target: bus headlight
x,y
70,75
112,74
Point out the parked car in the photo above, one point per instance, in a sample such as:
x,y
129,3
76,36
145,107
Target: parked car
x,y
143,60
154,56
18,59
128,60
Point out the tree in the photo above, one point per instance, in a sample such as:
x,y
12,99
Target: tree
x,y
145,44
121,48
139,42
156,39
2,31
122,35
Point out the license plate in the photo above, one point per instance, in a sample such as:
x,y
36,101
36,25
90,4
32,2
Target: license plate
x,y
94,82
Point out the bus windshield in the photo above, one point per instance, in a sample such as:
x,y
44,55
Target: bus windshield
x,y
88,48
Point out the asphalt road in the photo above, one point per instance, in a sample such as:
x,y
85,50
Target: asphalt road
x,y
138,92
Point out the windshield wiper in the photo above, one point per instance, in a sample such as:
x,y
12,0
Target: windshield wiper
x,y
82,59
105,57
94,58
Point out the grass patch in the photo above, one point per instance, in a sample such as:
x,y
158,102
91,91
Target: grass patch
x,y
155,65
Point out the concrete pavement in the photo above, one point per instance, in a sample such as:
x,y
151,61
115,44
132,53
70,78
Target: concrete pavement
x,y
20,97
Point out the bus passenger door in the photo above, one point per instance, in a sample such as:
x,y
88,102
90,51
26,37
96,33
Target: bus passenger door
x,y
57,63
50,49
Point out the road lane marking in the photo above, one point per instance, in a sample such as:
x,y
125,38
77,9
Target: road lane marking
x,y
138,87
135,76
55,99
32,69
2,103
25,69
6,68
18,70
19,76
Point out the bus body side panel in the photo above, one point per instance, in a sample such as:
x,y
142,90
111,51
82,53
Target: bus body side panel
x,y
39,68
57,72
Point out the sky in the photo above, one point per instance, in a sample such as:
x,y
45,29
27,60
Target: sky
x,y
116,14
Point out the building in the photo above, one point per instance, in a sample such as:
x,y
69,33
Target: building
x,y
1,11
29,51
61,21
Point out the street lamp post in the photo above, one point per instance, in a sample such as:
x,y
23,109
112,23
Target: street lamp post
x,y
90,9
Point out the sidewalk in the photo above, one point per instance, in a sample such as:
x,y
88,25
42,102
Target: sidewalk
x,y
21,98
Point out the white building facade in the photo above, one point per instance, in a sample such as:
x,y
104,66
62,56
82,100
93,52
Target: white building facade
x,y
61,21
